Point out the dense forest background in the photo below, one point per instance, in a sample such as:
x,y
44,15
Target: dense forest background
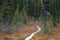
x,y
21,12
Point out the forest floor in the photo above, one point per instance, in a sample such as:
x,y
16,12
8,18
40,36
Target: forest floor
x,y
27,29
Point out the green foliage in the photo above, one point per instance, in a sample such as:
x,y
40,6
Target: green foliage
x,y
20,11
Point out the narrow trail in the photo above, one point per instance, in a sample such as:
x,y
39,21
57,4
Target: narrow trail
x,y
32,34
